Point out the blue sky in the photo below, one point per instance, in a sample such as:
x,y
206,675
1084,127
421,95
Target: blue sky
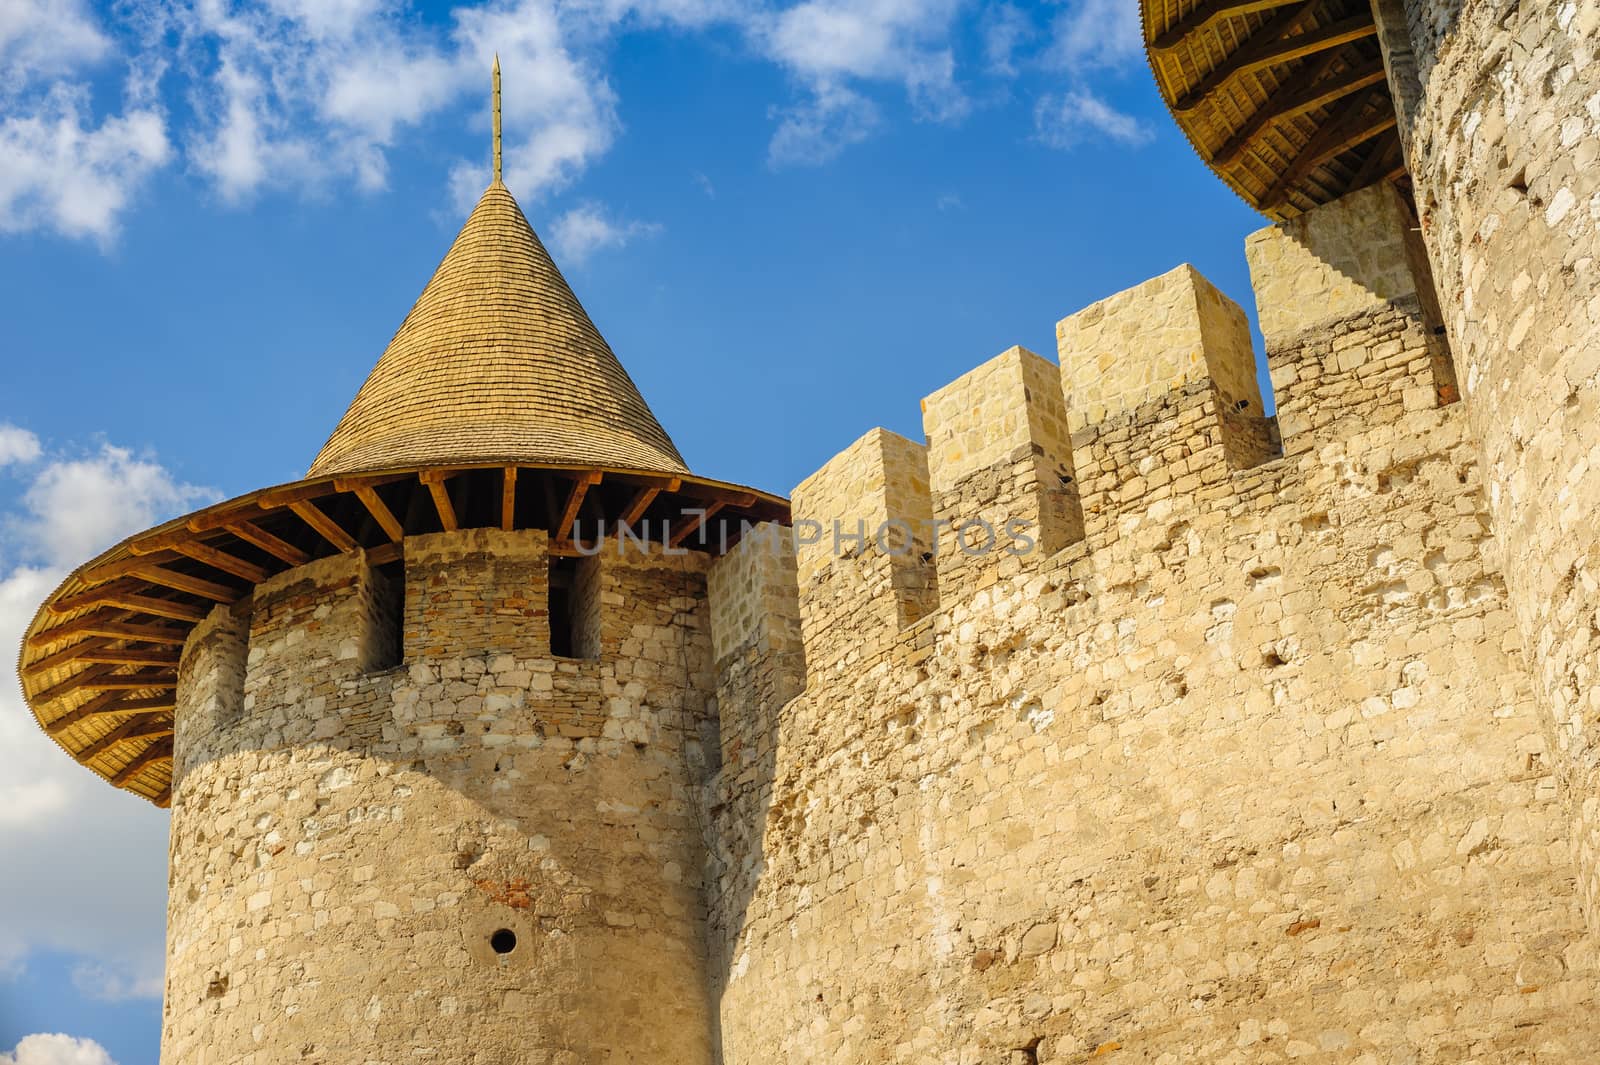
x,y
791,220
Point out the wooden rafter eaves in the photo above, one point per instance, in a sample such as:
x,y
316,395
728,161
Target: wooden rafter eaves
x,y
278,548
218,559
1204,17
102,651
186,582
157,751
435,480
375,505
508,498
645,496
106,678
113,628
112,704
562,533
324,526
1305,91
1358,123
1276,43
126,595
1380,161
695,518
142,558
109,740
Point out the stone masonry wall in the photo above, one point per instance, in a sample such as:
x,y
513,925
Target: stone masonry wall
x,y
1253,773
354,851
1503,151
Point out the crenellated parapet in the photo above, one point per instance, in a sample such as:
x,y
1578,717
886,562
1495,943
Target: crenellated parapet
x,y
1348,312
1153,420
1000,471
864,550
1258,725
1161,387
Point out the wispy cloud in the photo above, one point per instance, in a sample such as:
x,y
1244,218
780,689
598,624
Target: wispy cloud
x,y
1096,33
1005,29
313,96
587,228
61,168
1073,117
816,131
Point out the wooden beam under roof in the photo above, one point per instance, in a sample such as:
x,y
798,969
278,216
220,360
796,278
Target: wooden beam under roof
x,y
66,655
126,595
324,526
93,750
73,683
157,751
129,656
113,627
508,498
152,726
123,567
1379,160
186,582
1302,92
1204,17
435,480
221,560
375,505
562,533
1276,42
1354,126
645,496
280,549
131,682
112,704
693,518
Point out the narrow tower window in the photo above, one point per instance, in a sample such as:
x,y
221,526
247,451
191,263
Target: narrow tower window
x,y
575,607
385,608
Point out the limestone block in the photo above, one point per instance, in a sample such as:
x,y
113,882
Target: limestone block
x,y
1154,339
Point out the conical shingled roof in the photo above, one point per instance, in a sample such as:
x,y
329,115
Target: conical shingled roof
x,y
497,361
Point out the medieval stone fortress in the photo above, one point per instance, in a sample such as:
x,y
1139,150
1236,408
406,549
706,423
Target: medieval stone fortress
x,y
1120,719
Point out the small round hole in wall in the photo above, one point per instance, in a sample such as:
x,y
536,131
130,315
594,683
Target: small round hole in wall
x,y
503,941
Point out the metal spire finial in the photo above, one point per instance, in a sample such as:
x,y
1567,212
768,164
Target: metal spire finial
x,y
497,118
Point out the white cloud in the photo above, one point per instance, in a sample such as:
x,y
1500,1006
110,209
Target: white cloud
x,y
829,44
1067,120
1005,28
59,172
17,445
56,897
816,131
586,229
56,1050
40,37
1097,33
77,508
313,95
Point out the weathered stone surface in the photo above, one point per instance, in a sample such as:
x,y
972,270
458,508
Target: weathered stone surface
x,y
1254,772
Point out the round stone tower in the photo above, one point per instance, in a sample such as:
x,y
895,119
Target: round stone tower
x,y
431,721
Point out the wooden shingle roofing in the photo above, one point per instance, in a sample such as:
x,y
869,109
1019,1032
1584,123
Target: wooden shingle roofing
x,y
1286,100
497,404
497,361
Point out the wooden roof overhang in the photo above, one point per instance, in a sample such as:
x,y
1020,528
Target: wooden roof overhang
x,y
99,661
1286,100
